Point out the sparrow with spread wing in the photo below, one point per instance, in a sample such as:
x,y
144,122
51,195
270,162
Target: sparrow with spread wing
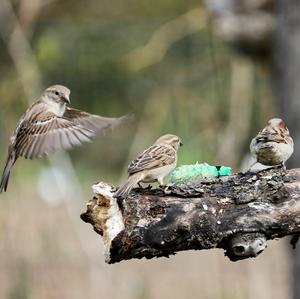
x,y
49,125
153,164
273,145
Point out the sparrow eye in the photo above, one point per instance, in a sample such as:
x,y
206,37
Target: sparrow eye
x,y
57,93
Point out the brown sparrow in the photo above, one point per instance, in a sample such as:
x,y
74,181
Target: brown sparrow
x,y
273,145
153,164
49,125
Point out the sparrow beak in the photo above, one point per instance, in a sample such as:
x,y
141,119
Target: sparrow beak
x,y
180,143
66,99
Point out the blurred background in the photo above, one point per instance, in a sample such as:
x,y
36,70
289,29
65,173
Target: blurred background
x,y
213,72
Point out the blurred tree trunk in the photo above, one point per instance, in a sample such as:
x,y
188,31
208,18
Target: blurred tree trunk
x,y
286,87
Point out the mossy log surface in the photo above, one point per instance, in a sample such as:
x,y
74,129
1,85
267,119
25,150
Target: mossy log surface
x,y
238,213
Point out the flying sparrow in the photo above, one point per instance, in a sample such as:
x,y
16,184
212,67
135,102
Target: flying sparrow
x,y
273,145
153,164
49,125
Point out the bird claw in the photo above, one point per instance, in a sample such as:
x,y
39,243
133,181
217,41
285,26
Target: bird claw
x,y
167,189
284,167
144,188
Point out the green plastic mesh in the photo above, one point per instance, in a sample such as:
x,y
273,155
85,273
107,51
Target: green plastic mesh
x,y
186,173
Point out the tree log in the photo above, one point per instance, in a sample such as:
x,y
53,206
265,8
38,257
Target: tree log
x,y
238,213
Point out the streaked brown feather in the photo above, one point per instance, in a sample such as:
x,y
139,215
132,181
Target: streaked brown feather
x,y
45,133
154,157
272,134
94,122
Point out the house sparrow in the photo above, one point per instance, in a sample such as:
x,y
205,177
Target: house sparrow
x,y
273,145
153,164
49,125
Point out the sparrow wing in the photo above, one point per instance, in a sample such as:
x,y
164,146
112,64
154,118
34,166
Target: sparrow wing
x,y
45,133
272,135
96,123
280,136
154,157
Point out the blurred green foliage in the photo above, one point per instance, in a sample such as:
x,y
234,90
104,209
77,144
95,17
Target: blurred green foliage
x,y
88,47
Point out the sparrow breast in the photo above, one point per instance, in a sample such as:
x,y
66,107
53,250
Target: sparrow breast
x,y
271,153
56,108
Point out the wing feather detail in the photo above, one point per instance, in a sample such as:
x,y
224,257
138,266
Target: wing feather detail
x,y
46,133
272,135
99,124
154,157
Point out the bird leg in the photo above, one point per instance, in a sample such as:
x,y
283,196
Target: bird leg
x,y
142,187
161,182
283,167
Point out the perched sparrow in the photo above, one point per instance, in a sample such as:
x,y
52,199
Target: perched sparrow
x,y
273,145
153,164
49,125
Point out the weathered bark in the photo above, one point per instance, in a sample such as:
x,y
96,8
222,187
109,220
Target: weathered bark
x,y
237,213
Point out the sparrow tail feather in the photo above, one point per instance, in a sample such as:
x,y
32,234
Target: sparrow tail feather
x,y
126,188
6,172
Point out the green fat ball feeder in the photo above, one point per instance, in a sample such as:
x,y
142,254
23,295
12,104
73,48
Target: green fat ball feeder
x,y
186,173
